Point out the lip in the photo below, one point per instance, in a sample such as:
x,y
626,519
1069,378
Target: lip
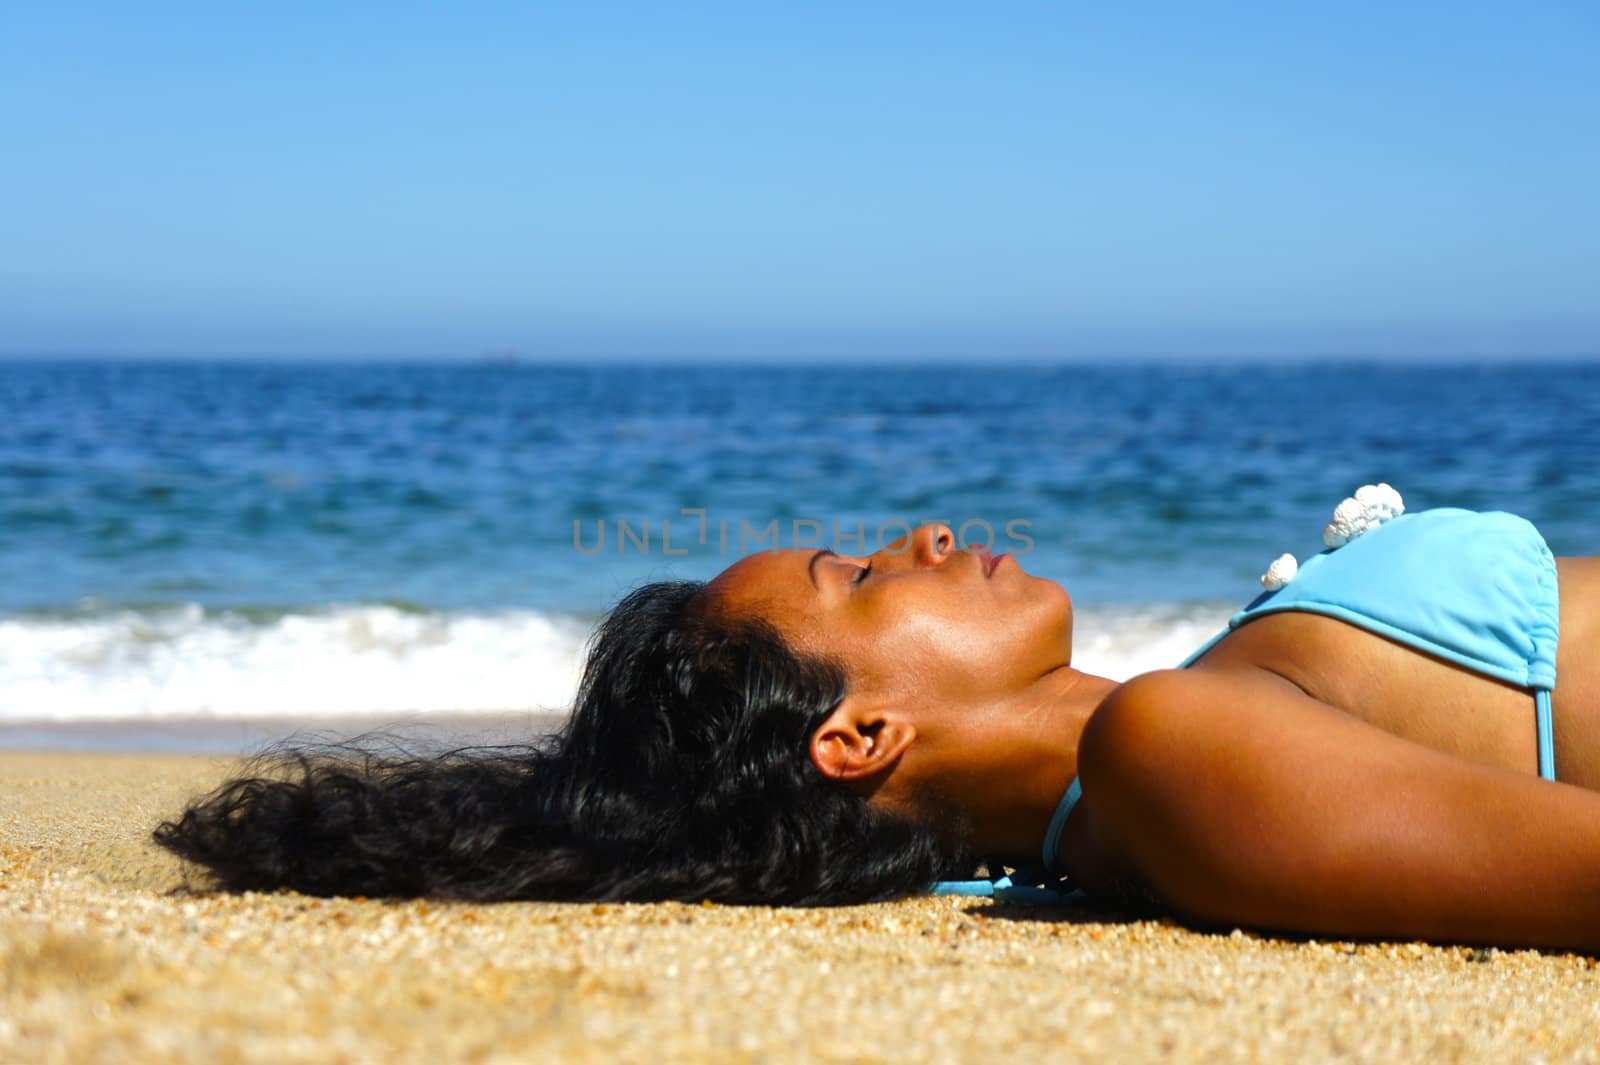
x,y
987,559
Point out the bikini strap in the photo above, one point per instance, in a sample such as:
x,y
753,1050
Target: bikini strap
x,y
1058,823
1545,723
1029,883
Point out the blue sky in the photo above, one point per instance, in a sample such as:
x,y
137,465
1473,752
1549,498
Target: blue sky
x,y
800,180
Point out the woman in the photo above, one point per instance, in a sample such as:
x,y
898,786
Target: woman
x,y
817,728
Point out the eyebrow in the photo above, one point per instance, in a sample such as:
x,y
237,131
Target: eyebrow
x,y
811,567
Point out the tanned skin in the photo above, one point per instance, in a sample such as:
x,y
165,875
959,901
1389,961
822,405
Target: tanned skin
x,y
1305,775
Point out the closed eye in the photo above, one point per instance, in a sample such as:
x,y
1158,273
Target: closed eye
x,y
861,575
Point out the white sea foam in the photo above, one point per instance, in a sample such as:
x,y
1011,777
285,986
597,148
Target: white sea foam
x,y
1123,641
189,662
348,661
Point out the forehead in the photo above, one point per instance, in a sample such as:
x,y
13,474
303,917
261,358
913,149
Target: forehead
x,y
775,585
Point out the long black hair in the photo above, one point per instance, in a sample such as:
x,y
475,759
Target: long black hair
x,y
682,773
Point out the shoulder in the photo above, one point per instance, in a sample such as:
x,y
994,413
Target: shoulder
x,y
1151,748
1163,713
1182,734
1184,770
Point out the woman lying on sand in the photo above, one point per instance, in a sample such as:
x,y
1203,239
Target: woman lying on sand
x,y
1357,756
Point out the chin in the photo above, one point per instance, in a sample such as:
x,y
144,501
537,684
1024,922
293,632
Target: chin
x,y
1048,590
1061,608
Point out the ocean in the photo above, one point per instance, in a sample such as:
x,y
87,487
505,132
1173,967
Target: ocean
x,y
264,545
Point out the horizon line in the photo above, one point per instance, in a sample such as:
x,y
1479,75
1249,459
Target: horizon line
x,y
517,359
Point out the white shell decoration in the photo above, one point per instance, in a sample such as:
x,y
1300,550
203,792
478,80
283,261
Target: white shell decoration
x,y
1370,507
1280,573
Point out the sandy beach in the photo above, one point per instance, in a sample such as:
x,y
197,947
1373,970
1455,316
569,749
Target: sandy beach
x,y
106,956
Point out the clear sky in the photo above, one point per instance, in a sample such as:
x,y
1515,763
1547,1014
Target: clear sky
x,y
800,180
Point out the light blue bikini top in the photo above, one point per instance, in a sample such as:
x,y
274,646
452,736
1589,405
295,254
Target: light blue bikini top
x,y
1475,589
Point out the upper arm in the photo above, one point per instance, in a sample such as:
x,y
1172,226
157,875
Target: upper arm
x,y
1240,799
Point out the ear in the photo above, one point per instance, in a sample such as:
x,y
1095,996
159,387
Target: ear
x,y
860,740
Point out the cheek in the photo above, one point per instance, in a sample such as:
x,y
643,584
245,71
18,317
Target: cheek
x,y
941,656
955,648
1033,635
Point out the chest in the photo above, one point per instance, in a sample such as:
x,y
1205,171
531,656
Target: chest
x,y
1396,688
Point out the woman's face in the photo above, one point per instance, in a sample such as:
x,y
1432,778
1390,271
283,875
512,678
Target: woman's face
x,y
925,626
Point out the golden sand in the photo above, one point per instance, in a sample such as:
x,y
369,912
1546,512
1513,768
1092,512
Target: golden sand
x,y
104,958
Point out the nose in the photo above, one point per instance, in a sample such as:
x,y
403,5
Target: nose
x,y
930,544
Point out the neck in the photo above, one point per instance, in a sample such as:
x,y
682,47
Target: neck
x,y
1011,779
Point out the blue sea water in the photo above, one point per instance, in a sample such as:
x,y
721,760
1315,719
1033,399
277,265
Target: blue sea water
x,y
225,540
